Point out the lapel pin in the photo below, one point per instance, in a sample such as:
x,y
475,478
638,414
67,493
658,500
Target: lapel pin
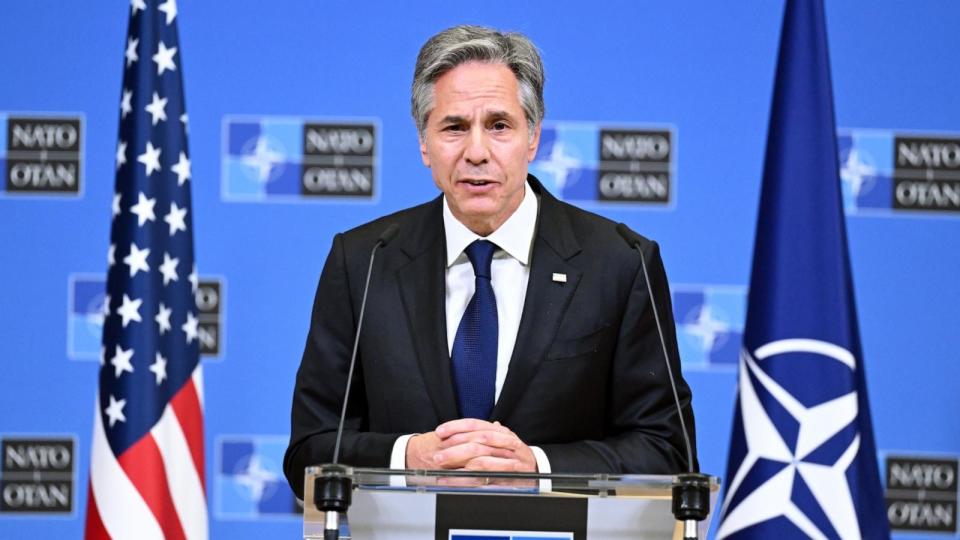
x,y
559,278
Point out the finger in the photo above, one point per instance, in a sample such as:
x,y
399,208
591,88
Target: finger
x,y
495,464
466,424
457,456
496,439
461,481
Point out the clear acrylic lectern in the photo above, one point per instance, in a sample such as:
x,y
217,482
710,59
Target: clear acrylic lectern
x,y
456,505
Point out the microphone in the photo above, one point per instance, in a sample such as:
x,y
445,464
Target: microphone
x,y
385,237
691,494
331,492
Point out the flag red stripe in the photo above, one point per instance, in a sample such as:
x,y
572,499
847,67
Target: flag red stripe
x,y
143,464
94,529
186,406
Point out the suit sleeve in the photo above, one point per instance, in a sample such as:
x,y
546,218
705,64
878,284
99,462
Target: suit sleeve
x,y
321,379
643,432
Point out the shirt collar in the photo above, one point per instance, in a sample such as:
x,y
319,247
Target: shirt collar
x,y
514,237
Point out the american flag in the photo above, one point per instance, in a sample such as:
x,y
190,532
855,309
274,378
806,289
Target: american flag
x,y
147,461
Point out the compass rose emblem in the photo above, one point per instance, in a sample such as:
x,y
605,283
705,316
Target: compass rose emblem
x,y
796,442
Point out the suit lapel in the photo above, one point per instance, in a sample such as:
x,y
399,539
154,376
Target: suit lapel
x,y
423,288
546,300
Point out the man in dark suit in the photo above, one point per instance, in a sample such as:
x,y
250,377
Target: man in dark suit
x,y
504,330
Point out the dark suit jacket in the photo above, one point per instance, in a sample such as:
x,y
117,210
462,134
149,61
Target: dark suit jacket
x,y
587,381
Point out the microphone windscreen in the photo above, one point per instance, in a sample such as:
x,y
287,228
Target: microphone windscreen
x,y
630,237
387,235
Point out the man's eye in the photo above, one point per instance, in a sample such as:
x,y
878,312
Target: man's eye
x,y
454,127
500,126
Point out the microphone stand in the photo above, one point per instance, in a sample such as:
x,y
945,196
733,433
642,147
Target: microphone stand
x,y
333,487
332,490
691,490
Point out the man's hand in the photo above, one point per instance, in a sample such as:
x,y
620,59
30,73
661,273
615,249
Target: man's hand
x,y
421,449
470,444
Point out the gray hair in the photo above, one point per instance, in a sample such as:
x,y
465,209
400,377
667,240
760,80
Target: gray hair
x,y
461,44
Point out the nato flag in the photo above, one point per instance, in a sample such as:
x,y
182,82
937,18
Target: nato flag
x,y
802,458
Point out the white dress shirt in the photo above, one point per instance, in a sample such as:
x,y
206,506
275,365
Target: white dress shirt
x,y
510,272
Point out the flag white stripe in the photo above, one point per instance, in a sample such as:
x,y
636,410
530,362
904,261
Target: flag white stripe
x,y
198,384
123,511
186,490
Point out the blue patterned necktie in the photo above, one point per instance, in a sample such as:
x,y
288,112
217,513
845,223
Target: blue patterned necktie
x,y
475,346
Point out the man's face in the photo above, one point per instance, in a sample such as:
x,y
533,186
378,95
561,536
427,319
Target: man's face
x,y
477,144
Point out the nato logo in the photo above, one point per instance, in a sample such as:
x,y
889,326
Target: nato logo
x,y
273,159
249,478
883,172
795,444
87,309
40,155
921,494
589,163
709,321
85,314
210,295
38,475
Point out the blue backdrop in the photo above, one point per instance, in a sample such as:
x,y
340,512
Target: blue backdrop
x,y
703,70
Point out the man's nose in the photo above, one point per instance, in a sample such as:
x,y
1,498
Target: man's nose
x,y
477,151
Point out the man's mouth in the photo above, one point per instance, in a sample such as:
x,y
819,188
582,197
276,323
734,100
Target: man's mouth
x,y
476,182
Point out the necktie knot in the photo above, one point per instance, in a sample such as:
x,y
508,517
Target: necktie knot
x,y
480,253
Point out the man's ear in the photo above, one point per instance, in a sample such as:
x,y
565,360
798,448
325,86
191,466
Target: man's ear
x,y
534,143
424,154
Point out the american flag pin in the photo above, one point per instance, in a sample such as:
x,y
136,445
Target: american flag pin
x,y
559,278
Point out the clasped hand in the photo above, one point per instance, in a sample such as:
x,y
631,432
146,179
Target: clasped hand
x,y
472,445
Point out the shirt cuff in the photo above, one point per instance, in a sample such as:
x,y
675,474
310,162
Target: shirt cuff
x,y
398,457
543,467
543,464
398,460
